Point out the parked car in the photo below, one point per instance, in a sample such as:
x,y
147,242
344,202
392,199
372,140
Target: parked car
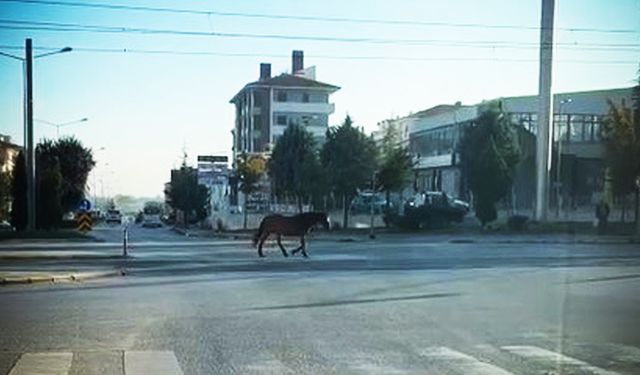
x,y
361,204
430,209
113,216
5,226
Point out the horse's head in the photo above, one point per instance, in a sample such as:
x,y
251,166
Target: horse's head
x,y
324,220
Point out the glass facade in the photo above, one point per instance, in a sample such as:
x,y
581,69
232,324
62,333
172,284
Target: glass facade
x,y
573,128
440,141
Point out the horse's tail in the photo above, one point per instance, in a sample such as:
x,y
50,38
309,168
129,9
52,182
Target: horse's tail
x,y
256,236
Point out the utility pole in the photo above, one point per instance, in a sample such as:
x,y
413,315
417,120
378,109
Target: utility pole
x,y
545,109
30,156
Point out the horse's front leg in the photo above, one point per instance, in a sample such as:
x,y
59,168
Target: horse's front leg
x,y
284,251
262,239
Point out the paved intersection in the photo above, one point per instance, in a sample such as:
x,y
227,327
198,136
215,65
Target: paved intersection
x,y
396,305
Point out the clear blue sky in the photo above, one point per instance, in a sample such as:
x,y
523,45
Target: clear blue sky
x,y
144,108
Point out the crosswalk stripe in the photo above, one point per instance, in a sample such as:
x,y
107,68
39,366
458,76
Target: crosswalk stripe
x,y
151,363
43,364
534,352
466,363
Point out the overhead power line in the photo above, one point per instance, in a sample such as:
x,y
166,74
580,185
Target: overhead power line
x,y
328,57
306,18
74,27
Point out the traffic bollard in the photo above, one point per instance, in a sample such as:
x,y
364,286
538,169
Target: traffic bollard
x,y
125,239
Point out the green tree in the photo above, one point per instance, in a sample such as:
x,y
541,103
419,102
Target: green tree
x,y
395,171
396,164
489,154
249,169
19,193
48,194
349,158
621,136
187,195
5,195
76,162
294,165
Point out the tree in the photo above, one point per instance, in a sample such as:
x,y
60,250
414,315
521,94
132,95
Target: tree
x,y
249,169
349,157
294,165
396,164
19,193
621,136
48,194
76,162
187,195
395,171
5,195
489,153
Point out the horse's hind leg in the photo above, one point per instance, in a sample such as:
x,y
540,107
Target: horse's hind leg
x,y
262,239
303,247
284,251
297,248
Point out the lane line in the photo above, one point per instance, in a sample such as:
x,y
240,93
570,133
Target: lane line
x,y
464,362
544,355
43,364
151,363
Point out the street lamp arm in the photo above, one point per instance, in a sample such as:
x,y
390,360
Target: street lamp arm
x,y
46,122
73,122
63,50
64,123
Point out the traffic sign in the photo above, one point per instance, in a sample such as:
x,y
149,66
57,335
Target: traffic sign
x,y
84,221
85,205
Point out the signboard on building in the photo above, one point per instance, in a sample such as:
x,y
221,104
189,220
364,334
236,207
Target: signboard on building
x,y
212,159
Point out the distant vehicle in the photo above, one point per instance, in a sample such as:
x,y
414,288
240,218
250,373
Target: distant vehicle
x,y
5,227
361,204
113,216
152,215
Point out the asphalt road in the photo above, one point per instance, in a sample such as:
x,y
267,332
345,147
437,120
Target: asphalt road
x,y
396,305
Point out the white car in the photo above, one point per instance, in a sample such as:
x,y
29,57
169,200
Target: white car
x,y
113,216
151,221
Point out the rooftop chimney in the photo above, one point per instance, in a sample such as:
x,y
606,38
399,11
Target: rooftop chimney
x,y
297,61
265,71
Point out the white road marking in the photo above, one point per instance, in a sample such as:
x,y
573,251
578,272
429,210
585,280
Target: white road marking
x,y
464,362
43,364
533,352
269,366
151,363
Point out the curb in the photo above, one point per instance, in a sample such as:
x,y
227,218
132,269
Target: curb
x,y
74,277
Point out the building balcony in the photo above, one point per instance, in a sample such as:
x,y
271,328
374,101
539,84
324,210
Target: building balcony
x,y
298,107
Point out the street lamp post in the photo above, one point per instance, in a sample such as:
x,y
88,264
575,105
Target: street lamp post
x,y
58,126
559,156
30,159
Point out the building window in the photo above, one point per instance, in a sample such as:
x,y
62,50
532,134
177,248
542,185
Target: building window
x,y
281,120
281,96
305,97
576,132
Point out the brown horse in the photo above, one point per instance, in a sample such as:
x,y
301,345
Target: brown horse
x,y
297,225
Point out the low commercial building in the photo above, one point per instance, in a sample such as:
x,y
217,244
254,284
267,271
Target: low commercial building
x,y
433,136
